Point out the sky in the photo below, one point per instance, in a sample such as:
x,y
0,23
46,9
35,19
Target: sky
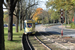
x,y
4,9
4,6
42,4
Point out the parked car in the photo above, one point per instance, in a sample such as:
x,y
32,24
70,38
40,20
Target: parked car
x,y
5,25
13,24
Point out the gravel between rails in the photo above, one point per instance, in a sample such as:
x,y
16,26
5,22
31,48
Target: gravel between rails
x,y
36,44
49,43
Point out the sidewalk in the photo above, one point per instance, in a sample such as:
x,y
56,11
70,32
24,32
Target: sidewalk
x,y
40,28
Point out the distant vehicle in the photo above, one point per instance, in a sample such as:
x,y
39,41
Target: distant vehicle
x,y
5,25
13,24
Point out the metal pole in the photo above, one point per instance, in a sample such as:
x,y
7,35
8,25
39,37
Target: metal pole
x,y
62,22
61,29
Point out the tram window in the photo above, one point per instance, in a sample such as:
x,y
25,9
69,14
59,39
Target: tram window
x,y
29,24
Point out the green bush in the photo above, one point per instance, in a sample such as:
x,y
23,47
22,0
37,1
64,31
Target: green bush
x,y
72,25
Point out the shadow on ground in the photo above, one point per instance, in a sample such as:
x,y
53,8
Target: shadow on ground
x,y
47,33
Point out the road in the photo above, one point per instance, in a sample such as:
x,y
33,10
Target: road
x,y
57,30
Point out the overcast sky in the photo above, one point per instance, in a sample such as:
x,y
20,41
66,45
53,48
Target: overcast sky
x,y
42,4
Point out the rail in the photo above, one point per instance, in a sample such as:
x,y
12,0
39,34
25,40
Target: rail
x,y
26,43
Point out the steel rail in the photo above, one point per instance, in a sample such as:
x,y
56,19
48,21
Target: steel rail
x,y
25,43
28,42
42,43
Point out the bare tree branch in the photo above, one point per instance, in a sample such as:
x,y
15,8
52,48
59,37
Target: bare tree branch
x,y
31,6
14,4
14,14
8,3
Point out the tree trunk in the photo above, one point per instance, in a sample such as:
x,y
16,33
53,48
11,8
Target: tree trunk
x,y
53,21
20,24
68,22
17,23
2,46
17,17
10,29
23,22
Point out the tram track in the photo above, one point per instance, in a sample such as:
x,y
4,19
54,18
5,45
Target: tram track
x,y
37,45
48,48
47,41
58,42
26,43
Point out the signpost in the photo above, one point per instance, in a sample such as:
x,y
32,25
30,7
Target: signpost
x,y
62,21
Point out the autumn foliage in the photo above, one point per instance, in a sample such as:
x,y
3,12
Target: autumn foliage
x,y
36,15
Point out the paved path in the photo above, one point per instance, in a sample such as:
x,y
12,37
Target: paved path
x,y
56,30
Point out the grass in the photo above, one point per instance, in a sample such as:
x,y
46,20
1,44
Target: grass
x,y
72,26
16,43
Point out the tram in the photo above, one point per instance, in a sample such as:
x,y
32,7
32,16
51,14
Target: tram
x,y
29,27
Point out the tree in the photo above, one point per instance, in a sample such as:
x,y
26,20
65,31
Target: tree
x,y
73,1
62,4
55,16
26,10
44,16
21,11
17,11
11,7
36,14
2,46
29,5
74,9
